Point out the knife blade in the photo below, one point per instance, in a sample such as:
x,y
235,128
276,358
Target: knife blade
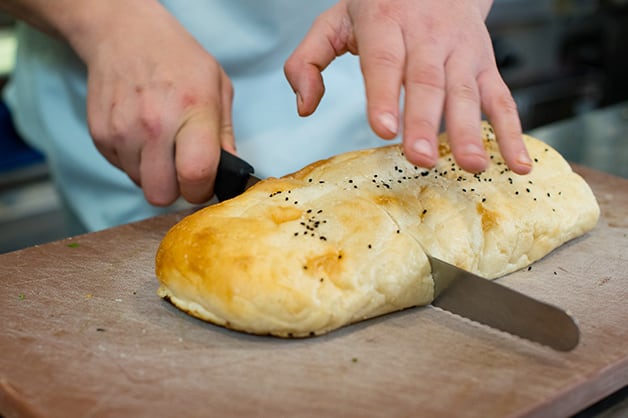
x,y
455,290
489,303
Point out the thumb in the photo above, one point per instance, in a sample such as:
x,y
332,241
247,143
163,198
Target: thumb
x,y
197,152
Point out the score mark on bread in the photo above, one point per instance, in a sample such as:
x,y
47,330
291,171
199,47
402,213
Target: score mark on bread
x,y
344,239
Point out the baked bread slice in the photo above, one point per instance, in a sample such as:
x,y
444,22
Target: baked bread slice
x,y
345,239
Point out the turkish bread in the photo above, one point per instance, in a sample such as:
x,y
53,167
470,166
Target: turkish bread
x,y
345,239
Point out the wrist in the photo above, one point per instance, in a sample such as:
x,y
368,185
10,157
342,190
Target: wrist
x,y
93,22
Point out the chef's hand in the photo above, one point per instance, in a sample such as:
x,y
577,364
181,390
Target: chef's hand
x,y
440,52
159,106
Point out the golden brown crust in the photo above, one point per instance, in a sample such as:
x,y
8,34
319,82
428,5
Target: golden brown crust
x,y
344,239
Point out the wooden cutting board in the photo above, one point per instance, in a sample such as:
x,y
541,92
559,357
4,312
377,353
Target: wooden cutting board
x,y
83,333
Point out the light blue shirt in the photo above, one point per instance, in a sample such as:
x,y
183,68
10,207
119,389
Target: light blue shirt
x,y
251,39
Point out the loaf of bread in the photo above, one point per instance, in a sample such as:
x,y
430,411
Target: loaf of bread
x,y
344,239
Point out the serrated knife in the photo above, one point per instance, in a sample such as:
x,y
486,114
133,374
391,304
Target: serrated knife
x,y
455,290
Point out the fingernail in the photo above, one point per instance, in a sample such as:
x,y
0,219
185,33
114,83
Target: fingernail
x,y
475,149
524,159
389,122
423,147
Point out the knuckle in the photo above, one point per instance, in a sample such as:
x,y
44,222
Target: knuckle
x,y
386,59
464,91
193,173
150,125
421,127
117,128
506,103
429,75
97,131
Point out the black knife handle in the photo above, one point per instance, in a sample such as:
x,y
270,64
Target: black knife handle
x,y
232,176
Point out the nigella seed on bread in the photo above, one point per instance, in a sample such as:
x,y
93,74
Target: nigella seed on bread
x,y
344,239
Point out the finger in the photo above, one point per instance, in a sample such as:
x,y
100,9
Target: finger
x,y
126,139
227,137
115,134
463,115
424,99
97,120
158,173
197,154
382,59
326,39
501,110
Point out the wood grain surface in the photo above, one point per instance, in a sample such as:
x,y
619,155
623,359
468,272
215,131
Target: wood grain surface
x,y
83,334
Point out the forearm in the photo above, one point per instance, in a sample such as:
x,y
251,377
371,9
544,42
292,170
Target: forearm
x,y
81,23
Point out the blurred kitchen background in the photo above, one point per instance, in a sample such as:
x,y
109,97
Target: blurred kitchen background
x,y
566,62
